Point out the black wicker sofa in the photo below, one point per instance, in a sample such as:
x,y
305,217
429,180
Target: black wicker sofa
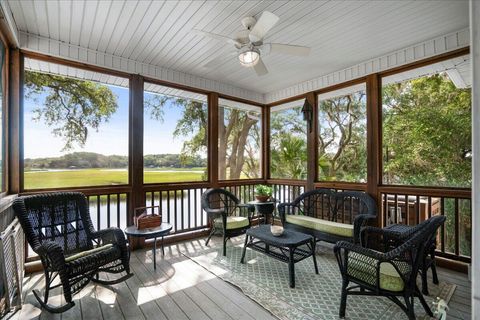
x,y
319,211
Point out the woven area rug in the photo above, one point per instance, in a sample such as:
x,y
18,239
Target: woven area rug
x,y
265,280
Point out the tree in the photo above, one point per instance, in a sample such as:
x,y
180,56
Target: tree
x,y
289,161
70,106
342,138
427,132
427,142
234,134
193,123
288,146
236,137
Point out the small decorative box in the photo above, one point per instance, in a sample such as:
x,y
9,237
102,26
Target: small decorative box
x,y
145,217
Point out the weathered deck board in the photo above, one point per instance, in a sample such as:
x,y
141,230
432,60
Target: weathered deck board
x,y
181,289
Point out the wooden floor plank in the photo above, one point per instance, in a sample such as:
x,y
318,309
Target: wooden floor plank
x,y
31,307
207,305
191,309
179,279
90,305
126,301
247,304
74,313
163,300
108,302
227,299
231,308
180,289
145,301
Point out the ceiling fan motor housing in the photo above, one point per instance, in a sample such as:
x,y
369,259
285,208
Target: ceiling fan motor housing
x,y
249,22
242,37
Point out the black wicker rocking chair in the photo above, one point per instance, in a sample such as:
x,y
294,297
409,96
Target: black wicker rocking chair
x,y
392,274
226,214
59,229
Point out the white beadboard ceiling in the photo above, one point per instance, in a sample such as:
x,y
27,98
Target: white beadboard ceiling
x,y
340,33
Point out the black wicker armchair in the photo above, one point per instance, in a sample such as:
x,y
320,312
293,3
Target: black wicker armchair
x,y
392,274
226,214
317,212
394,236
59,229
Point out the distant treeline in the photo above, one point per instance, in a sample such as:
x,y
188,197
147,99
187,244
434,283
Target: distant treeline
x,y
95,160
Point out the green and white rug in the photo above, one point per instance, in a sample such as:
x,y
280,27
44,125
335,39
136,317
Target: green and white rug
x,y
265,280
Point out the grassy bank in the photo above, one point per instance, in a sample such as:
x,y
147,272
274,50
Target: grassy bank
x,y
105,177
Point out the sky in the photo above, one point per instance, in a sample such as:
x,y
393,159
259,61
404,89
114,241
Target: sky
x,y
112,137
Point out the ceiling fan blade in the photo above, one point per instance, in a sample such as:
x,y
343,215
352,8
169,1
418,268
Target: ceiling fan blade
x,y
290,49
264,24
215,36
260,68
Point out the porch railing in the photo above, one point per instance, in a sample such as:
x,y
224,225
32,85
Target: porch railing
x,y
181,206
411,206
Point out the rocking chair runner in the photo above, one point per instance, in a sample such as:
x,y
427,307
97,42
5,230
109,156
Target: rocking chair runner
x,y
59,229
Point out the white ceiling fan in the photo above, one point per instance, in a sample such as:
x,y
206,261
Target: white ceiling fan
x,y
249,43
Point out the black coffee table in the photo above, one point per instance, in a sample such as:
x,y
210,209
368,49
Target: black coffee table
x,y
157,232
285,248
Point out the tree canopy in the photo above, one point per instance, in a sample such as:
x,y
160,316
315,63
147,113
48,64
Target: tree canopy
x,y
288,144
427,132
342,138
70,106
238,134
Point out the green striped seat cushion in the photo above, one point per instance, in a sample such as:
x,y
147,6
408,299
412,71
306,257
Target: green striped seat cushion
x,y
340,229
88,252
233,222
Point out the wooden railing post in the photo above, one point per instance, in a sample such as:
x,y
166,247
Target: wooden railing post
x,y
374,141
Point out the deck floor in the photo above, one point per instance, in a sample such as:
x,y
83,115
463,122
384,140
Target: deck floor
x,y
179,289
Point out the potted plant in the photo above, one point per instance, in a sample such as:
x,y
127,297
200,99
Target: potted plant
x,y
263,192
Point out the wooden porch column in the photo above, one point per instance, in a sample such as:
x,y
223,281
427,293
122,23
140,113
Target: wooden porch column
x,y
137,195
213,139
266,143
312,144
475,59
15,123
374,140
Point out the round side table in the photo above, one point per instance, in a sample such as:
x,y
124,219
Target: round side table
x,y
266,209
149,233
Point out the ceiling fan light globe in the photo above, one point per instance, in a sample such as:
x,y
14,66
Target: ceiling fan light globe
x,y
249,58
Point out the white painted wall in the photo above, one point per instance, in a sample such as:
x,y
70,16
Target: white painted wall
x,y
475,52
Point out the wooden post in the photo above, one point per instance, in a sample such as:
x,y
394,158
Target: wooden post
x,y
213,139
374,141
475,60
266,143
137,194
15,124
312,144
